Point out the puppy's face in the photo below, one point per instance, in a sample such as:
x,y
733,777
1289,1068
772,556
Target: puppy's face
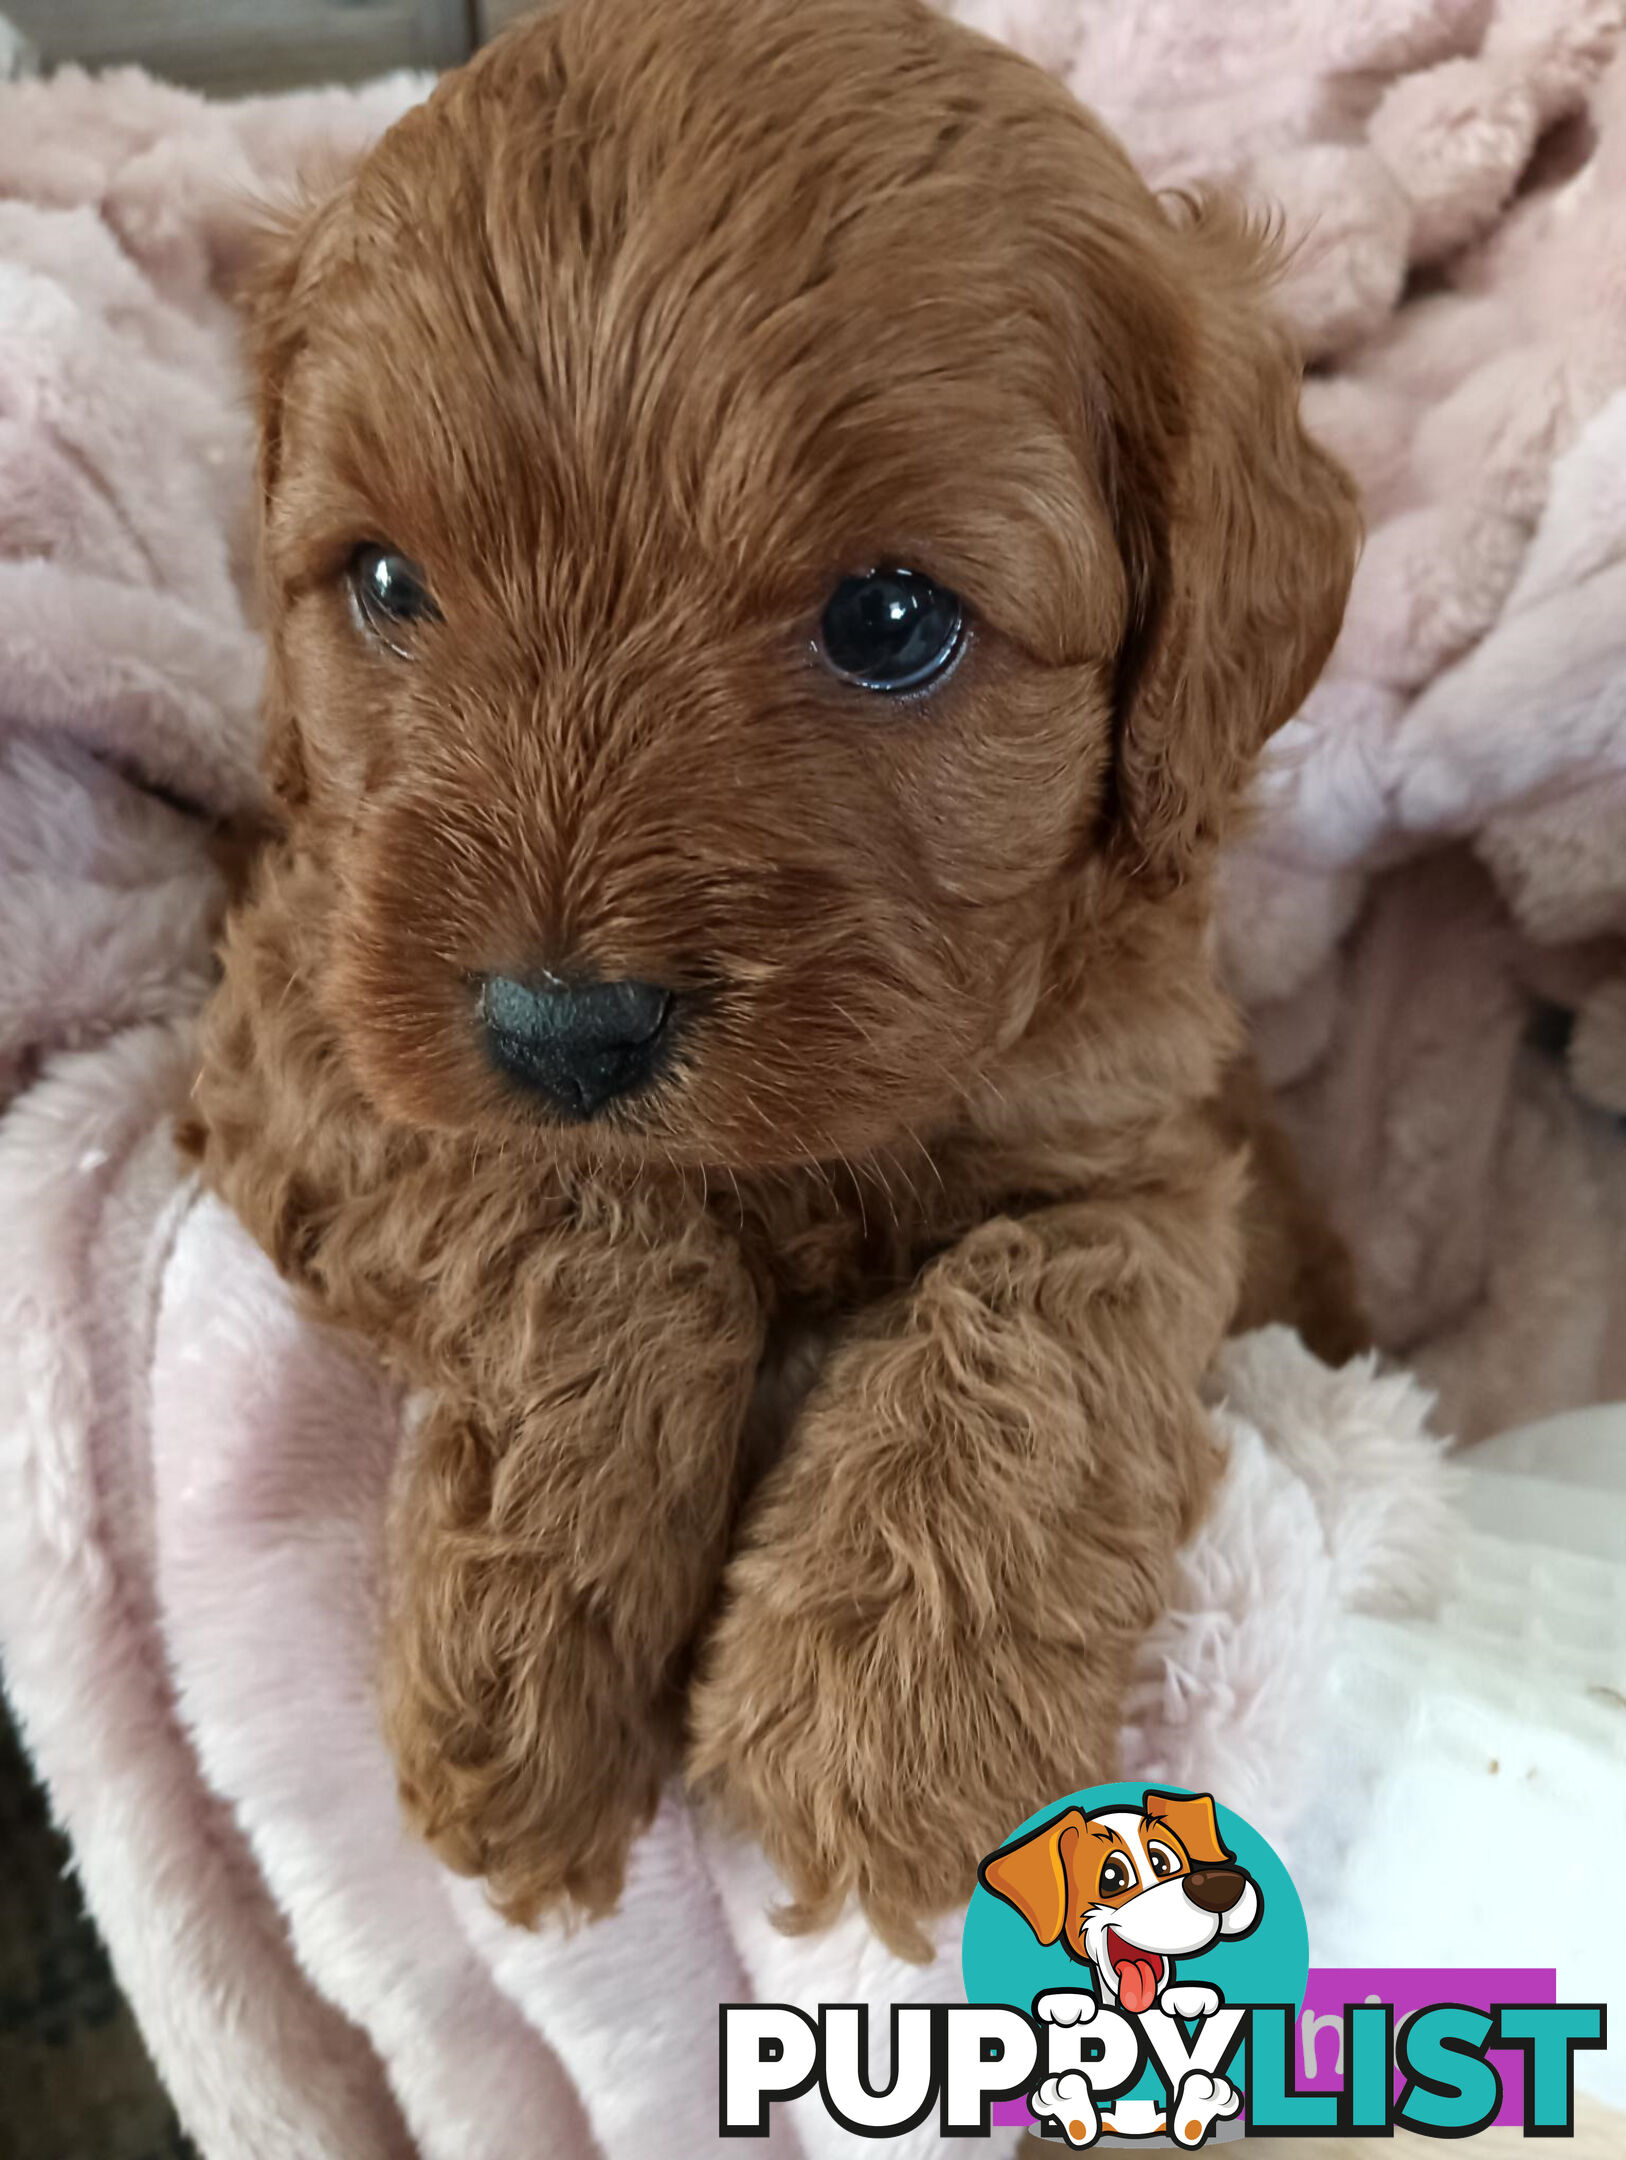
x,y
1128,1890
771,532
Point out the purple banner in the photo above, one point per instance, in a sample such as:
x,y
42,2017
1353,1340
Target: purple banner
x,y
1318,2053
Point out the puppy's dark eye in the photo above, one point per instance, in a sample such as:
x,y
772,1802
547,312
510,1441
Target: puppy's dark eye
x,y
1163,1861
1114,1877
389,594
890,630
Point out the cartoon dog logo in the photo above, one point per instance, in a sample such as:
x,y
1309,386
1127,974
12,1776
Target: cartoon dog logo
x,y
1126,1891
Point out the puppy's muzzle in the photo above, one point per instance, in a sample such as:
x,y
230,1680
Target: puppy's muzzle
x,y
1215,1890
578,1045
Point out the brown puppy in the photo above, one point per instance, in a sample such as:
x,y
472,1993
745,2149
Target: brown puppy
x,y
699,960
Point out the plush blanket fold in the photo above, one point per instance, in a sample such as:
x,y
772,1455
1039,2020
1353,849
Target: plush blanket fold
x,y
1426,921
187,1597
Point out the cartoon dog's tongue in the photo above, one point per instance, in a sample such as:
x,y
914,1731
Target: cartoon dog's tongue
x,y
1138,1974
1137,1984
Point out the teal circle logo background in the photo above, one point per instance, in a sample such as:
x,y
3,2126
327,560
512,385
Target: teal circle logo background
x,y
1003,1961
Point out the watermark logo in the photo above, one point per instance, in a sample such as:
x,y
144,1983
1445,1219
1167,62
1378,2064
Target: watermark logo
x,y
1136,1925
1137,1974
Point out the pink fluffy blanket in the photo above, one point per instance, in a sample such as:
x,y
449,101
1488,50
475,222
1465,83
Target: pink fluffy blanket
x,y
1426,920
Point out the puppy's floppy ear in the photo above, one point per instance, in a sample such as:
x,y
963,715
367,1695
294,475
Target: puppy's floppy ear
x,y
272,289
1193,1821
1032,1874
1239,535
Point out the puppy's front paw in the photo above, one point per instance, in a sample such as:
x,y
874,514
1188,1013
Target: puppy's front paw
x,y
517,1761
869,1752
1067,2100
816,1758
1190,1999
923,1636
1202,2101
1065,2006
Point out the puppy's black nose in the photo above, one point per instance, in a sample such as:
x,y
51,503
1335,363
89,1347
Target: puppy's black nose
x,y
582,1044
1215,1890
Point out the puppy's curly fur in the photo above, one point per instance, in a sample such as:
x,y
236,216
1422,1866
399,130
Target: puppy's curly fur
x,y
827,1415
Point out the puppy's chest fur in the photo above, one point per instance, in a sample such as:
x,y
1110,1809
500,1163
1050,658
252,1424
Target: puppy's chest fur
x,y
407,1236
